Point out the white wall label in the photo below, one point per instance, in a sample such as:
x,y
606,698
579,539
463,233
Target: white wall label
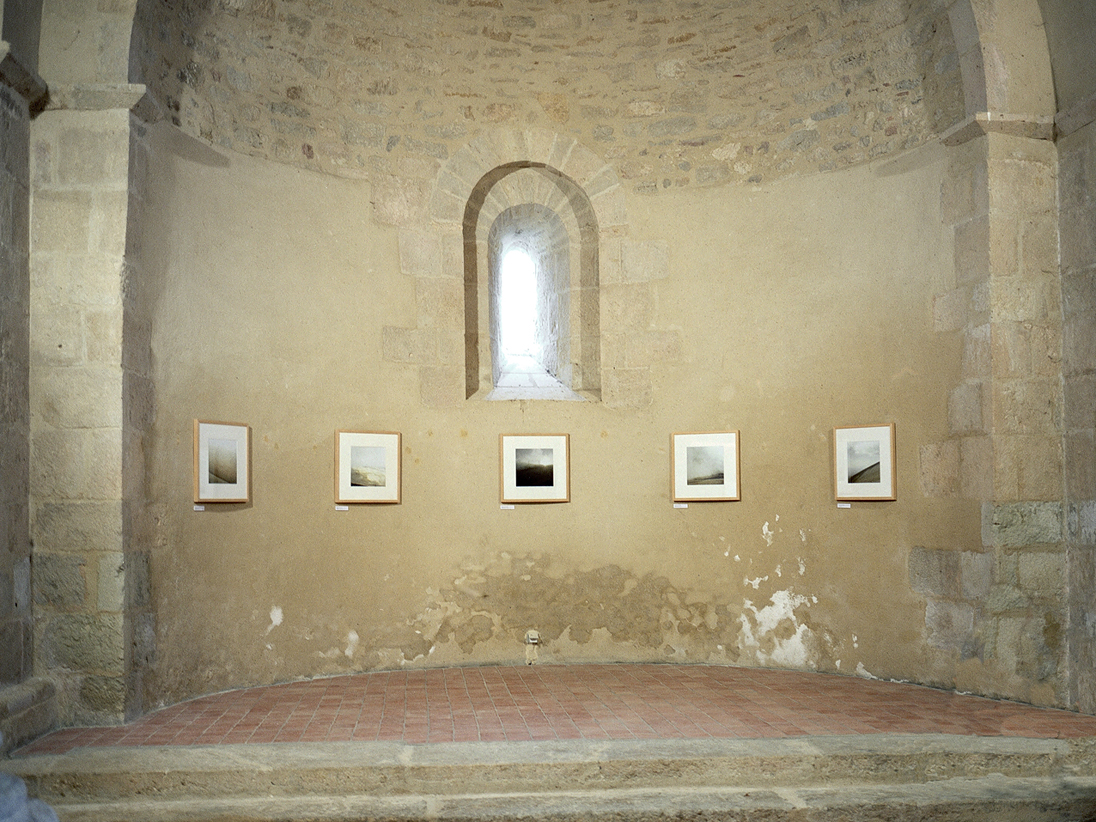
x,y
342,507
199,507
506,507
844,505
681,505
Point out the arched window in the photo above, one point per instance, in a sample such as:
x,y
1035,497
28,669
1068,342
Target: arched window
x,y
531,231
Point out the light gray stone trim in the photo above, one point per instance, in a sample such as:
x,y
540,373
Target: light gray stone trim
x,y
1032,126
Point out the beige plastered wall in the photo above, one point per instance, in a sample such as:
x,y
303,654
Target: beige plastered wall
x,y
797,306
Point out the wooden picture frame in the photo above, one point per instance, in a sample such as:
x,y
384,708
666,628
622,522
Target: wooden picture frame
x,y
534,468
705,466
367,467
864,463
222,462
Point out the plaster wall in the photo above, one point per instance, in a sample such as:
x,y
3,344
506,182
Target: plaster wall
x,y
799,306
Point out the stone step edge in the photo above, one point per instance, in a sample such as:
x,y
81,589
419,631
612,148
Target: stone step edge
x,y
300,769
992,798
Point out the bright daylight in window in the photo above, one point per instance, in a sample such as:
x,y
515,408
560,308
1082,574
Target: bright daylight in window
x,y
518,305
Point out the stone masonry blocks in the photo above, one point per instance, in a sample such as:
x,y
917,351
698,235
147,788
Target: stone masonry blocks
x,y
61,221
976,573
73,526
79,397
420,253
1043,574
400,201
409,345
77,464
1019,524
949,624
967,408
110,595
87,156
939,469
83,642
60,581
934,573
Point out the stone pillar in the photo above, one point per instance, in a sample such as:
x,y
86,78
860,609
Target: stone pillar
x,y
1077,199
88,389
15,612
1005,413
27,706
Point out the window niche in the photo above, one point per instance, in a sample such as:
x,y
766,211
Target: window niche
x,y
546,219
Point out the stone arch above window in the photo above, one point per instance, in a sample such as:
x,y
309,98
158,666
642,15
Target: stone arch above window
x,y
539,210
444,247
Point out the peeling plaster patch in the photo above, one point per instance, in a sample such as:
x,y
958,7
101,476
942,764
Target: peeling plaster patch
x,y
855,641
756,583
352,639
766,534
802,535
863,672
775,634
276,617
737,558
802,565
778,572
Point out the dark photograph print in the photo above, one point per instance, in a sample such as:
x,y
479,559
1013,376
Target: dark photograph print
x,y
533,467
863,457
222,462
367,466
704,465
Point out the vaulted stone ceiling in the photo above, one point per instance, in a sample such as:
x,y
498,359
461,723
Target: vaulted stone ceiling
x,y
673,94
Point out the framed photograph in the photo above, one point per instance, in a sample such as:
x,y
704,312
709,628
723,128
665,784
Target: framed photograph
x,y
705,466
535,468
222,462
864,464
367,466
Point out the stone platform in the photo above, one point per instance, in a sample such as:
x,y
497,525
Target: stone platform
x,y
570,743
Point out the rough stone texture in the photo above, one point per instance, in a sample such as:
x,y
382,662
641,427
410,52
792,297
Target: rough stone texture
x,y
904,778
1006,412
1077,203
16,657
90,398
736,94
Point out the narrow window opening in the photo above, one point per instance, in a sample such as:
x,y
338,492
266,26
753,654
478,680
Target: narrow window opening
x,y
531,289
518,305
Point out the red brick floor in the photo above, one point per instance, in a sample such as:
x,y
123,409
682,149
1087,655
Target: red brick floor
x,y
571,702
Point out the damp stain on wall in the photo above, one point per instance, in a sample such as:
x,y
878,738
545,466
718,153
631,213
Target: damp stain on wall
x,y
484,615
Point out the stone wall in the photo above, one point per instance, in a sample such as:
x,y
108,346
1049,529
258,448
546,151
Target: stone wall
x,y
1077,200
90,397
28,705
15,607
674,94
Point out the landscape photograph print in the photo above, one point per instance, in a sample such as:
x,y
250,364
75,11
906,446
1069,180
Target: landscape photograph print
x,y
367,466
534,468
222,462
222,457
864,463
704,466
